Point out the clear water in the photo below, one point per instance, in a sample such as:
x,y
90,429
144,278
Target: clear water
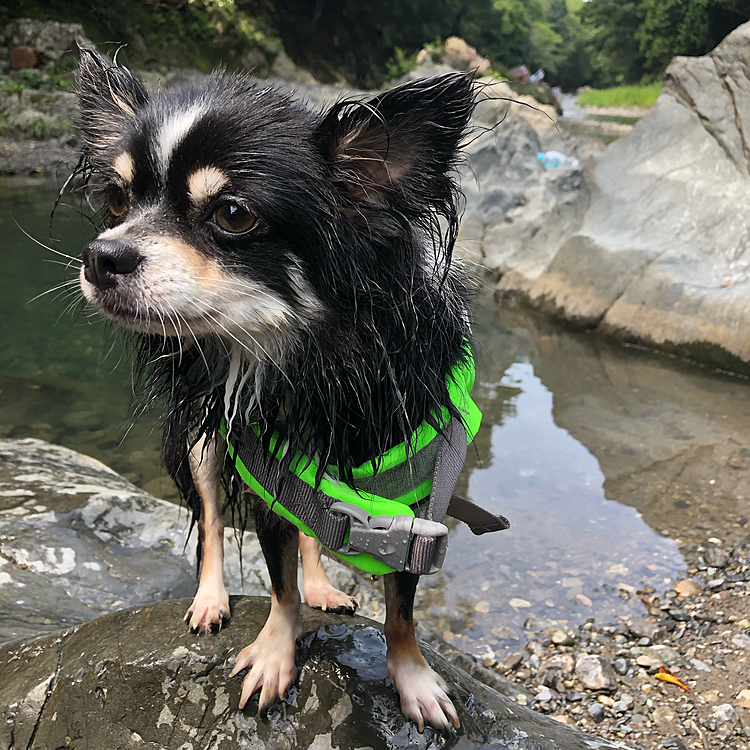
x,y
605,459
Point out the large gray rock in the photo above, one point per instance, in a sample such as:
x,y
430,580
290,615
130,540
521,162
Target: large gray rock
x,y
660,255
78,540
136,679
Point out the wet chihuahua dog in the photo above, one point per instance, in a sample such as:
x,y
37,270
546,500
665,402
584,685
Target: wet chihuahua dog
x,y
289,269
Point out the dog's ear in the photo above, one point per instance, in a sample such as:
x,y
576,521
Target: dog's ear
x,y
108,96
406,138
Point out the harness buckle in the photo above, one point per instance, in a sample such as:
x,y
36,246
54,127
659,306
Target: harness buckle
x,y
389,538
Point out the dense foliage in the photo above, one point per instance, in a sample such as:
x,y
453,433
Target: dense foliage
x,y
596,42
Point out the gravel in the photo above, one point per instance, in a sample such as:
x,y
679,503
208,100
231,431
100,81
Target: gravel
x,y
603,677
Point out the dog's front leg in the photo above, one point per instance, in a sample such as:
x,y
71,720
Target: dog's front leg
x,y
271,657
210,608
319,591
424,695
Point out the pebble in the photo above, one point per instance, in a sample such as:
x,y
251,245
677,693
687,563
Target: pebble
x,y
596,712
687,588
716,557
741,641
573,697
561,638
645,641
624,704
743,624
641,627
595,673
620,665
544,695
724,714
511,661
716,583
519,603
699,665
482,607
656,656
663,716
743,699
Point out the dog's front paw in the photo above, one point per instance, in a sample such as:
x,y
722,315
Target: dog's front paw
x,y
209,610
322,595
270,659
424,695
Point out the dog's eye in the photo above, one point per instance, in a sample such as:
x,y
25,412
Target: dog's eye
x,y
116,201
234,219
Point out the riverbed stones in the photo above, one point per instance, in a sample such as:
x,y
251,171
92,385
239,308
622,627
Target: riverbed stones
x,y
142,681
595,673
687,588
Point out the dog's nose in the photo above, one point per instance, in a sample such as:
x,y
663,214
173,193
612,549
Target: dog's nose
x,y
105,260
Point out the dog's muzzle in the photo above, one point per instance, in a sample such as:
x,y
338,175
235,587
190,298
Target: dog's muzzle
x,y
106,261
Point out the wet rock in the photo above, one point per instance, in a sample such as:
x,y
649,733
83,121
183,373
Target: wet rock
x,y
78,540
562,638
142,680
595,672
511,661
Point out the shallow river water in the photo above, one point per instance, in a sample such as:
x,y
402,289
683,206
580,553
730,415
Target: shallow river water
x,y
607,460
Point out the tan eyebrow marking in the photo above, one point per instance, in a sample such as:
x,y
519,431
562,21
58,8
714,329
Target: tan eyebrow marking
x,y
124,166
205,183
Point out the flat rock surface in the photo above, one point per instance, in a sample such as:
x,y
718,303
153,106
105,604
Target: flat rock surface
x,y
137,679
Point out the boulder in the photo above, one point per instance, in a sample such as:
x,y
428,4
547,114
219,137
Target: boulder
x,y
49,40
654,247
78,540
460,55
137,679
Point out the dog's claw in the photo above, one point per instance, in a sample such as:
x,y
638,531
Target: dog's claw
x,y
209,611
424,696
270,660
324,596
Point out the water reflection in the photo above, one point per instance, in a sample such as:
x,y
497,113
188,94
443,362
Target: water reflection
x,y
570,554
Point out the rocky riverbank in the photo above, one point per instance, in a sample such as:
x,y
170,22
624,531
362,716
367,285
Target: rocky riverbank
x,y
609,679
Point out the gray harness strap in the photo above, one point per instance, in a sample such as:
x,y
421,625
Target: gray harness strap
x,y
416,545
298,497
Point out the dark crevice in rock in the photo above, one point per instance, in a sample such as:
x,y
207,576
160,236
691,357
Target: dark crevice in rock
x,y
737,119
50,688
676,88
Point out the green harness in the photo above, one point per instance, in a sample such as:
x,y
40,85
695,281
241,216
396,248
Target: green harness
x,y
373,523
